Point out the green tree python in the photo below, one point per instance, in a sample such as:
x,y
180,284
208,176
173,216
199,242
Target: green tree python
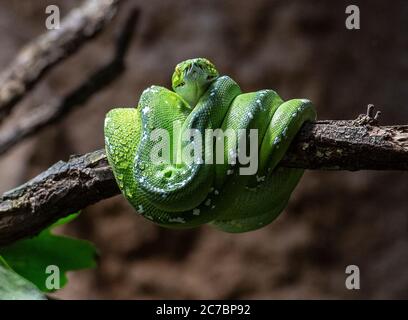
x,y
187,191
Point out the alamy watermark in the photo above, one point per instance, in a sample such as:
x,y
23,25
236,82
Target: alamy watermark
x,y
208,148
52,282
353,19
53,19
353,279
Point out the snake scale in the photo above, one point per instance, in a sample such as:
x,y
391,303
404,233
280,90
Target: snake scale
x,y
183,194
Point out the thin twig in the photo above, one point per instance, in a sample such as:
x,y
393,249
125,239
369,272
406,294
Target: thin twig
x,y
38,57
58,108
70,186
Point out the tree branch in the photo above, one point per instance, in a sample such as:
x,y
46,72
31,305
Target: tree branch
x,y
70,186
56,109
343,145
38,57
64,188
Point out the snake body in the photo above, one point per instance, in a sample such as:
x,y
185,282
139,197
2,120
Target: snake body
x,y
181,195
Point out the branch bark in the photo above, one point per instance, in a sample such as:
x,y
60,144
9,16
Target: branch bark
x,y
64,188
38,57
70,186
343,145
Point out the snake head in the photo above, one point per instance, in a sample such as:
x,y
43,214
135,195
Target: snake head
x,y
192,77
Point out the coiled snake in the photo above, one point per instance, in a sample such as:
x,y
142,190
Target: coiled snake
x,y
179,193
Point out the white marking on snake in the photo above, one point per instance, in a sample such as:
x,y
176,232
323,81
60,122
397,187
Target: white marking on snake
x,y
260,179
178,219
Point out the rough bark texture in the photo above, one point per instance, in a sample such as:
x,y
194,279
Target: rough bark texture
x,y
64,188
38,57
70,186
341,145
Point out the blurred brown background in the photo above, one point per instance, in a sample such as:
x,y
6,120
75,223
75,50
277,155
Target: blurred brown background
x,y
300,49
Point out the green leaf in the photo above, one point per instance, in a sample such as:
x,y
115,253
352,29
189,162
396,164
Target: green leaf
x,y
45,259
15,287
64,220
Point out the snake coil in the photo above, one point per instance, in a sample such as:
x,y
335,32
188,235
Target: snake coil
x,y
181,194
